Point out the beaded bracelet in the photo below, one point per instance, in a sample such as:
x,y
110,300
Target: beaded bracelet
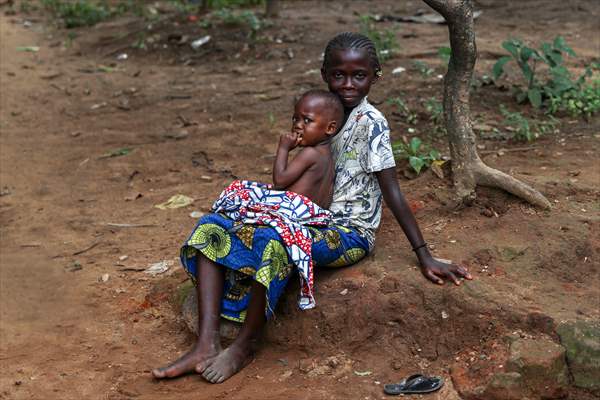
x,y
420,247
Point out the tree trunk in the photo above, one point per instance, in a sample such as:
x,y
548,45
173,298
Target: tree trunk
x,y
468,169
272,8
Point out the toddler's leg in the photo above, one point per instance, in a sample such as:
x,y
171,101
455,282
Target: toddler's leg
x,y
239,354
209,287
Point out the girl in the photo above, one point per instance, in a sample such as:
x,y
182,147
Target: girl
x,y
365,173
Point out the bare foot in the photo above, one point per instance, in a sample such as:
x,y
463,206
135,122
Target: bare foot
x,y
188,362
227,363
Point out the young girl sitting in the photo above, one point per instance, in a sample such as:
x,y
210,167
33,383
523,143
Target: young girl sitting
x,y
364,174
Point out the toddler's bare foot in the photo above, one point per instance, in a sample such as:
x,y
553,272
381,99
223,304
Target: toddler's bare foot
x,y
227,363
188,362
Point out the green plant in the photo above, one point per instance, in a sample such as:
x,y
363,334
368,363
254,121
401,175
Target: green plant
x,y
216,4
403,110
435,109
584,102
385,41
78,13
230,17
423,68
26,6
559,90
418,154
444,54
524,128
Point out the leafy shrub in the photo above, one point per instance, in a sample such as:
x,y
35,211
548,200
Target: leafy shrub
x,y
418,154
584,102
524,128
403,110
385,41
560,90
227,16
423,68
435,109
78,13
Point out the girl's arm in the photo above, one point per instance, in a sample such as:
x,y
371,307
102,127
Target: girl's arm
x,y
285,175
435,271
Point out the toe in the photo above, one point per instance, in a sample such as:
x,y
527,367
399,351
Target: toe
x,y
202,366
208,374
158,373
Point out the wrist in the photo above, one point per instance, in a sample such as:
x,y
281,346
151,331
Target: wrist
x,y
423,253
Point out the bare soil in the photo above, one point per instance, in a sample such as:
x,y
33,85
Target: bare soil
x,y
78,321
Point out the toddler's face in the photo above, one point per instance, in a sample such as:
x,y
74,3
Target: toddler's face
x,y
349,75
309,122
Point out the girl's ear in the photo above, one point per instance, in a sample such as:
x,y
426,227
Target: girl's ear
x,y
324,75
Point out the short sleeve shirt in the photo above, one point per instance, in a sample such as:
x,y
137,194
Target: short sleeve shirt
x,y
361,148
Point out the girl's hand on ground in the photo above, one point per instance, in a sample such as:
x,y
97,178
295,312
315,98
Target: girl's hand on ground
x,y
439,271
289,140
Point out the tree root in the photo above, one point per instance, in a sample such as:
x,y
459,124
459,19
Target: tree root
x,y
487,176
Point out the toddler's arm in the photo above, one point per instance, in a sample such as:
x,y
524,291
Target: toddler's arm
x,y
434,270
285,175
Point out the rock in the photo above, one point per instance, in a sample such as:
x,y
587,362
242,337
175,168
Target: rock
x,y
189,311
505,386
542,365
581,339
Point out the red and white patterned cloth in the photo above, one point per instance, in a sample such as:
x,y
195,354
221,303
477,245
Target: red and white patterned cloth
x,y
288,213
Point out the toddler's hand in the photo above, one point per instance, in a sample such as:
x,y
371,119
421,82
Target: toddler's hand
x,y
289,140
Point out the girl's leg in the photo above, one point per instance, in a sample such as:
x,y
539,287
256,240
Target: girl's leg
x,y
239,354
209,289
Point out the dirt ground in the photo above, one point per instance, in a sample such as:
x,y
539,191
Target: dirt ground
x,y
81,321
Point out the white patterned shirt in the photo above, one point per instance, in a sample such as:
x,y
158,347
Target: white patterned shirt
x,y
361,148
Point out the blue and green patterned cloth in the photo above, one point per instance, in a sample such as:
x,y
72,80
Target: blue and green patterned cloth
x,y
254,252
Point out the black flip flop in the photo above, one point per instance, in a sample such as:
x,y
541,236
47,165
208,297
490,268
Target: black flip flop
x,y
415,384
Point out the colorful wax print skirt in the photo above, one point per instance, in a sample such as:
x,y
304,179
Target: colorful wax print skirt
x,y
251,252
289,213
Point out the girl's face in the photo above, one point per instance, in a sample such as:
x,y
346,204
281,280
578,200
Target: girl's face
x,y
349,75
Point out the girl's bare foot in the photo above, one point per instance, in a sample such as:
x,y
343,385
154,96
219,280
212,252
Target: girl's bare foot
x,y
188,362
227,363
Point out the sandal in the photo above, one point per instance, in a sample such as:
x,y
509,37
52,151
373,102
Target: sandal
x,y
415,384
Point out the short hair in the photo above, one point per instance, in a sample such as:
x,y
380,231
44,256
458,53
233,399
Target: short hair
x,y
352,40
334,105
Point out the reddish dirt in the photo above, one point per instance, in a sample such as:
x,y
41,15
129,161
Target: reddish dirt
x,y
67,334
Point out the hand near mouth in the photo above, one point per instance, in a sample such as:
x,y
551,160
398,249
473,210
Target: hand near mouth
x,y
290,140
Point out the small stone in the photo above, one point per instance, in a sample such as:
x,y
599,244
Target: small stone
x,y
286,375
542,364
445,315
196,214
182,134
344,292
206,178
504,386
105,277
123,258
581,340
398,70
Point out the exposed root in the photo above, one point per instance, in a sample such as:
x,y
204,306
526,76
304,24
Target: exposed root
x,y
491,177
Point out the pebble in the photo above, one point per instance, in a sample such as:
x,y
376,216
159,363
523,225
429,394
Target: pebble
x,y
196,214
105,277
123,258
344,292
